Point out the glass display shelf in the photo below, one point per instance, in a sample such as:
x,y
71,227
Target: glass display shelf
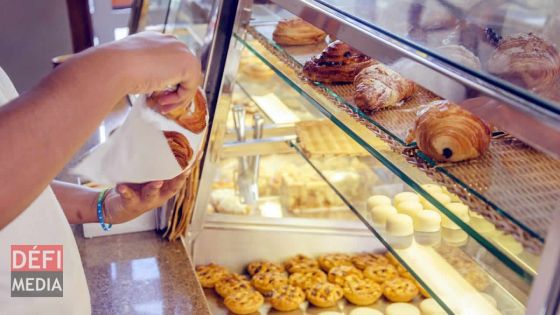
x,y
517,205
523,263
443,260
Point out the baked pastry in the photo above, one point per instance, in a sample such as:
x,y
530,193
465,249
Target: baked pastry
x,y
180,147
333,260
399,225
338,63
263,266
405,196
308,279
381,273
365,311
525,60
363,260
400,290
402,309
294,32
431,307
266,282
380,214
192,117
392,259
378,200
360,291
403,272
232,283
244,302
377,87
209,274
338,274
300,263
324,294
447,133
287,298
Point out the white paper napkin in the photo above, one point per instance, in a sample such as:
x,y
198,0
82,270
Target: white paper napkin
x,y
137,152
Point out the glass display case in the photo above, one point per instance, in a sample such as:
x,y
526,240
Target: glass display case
x,y
344,133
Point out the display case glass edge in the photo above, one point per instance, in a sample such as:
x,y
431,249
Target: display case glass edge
x,y
363,136
533,115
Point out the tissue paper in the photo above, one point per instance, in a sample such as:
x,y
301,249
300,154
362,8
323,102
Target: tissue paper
x,y
138,152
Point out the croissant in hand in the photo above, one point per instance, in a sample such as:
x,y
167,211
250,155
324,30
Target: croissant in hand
x,y
193,117
526,60
180,147
447,133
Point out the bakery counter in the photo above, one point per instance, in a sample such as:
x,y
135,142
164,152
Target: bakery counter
x,y
457,283
479,184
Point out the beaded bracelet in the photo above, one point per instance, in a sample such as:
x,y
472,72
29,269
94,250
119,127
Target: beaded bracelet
x,y
100,201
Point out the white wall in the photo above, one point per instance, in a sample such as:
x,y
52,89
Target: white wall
x,y
31,33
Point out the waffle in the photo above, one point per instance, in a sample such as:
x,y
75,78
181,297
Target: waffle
x,y
322,138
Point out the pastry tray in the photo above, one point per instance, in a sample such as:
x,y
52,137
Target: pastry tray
x,y
512,185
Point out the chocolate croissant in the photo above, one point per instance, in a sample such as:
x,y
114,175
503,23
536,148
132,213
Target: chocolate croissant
x,y
180,147
447,133
338,63
296,32
378,87
525,60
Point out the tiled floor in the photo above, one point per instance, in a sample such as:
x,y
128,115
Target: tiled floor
x,y
139,273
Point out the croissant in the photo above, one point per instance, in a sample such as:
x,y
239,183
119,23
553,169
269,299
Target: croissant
x,y
192,118
180,147
338,63
296,32
378,87
526,60
447,133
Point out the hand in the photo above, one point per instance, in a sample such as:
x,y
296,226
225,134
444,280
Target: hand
x,y
127,201
154,62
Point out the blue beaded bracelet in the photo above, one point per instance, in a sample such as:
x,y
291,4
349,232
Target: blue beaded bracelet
x,y
100,200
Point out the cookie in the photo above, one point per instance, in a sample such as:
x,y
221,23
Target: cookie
x,y
263,266
381,273
308,279
232,283
300,263
244,302
324,294
209,274
363,260
326,262
337,275
360,291
400,290
266,282
403,272
287,298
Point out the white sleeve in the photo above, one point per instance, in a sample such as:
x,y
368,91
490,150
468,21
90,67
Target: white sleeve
x,y
7,89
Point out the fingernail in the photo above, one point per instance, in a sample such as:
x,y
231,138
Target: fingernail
x,y
157,184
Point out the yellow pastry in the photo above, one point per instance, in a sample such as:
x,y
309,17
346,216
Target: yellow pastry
x,y
263,266
381,273
300,263
400,290
308,279
405,196
244,302
338,274
324,294
332,260
266,282
209,274
232,283
361,291
363,260
287,298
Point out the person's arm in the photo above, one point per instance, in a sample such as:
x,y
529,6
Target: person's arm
x,y
43,128
122,203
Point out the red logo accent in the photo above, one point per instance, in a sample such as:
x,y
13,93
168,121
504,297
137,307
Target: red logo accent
x,y
36,258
